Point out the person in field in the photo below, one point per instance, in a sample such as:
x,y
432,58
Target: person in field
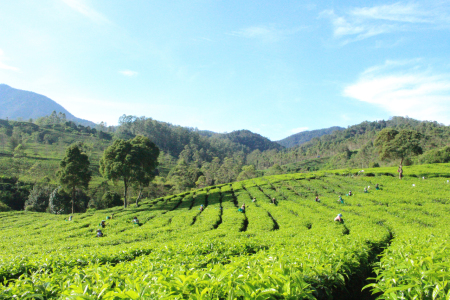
x,y
339,218
365,190
242,209
350,193
274,201
99,233
400,171
202,208
377,187
254,200
102,223
135,221
340,200
317,199
70,218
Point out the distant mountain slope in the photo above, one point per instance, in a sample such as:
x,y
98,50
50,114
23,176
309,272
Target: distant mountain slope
x,y
17,103
252,140
306,136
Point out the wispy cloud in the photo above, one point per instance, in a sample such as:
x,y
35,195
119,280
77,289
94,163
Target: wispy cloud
x,y
300,129
264,33
361,23
81,7
5,66
129,73
405,88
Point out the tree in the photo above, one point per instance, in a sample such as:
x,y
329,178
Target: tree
x,y
274,170
74,171
393,144
110,199
132,161
146,156
38,198
59,201
248,172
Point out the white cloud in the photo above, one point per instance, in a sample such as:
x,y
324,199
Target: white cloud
x,y
264,33
81,7
128,73
300,129
5,66
361,23
405,88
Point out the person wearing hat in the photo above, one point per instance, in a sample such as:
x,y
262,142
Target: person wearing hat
x,y
338,218
340,200
317,199
99,233
103,224
202,207
135,221
242,209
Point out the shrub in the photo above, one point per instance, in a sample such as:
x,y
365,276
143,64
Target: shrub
x,y
111,199
4,207
38,198
59,202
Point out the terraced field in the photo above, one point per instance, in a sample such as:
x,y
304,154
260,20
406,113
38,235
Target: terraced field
x,y
290,249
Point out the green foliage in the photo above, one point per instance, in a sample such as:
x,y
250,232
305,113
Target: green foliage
x,y
247,173
132,161
435,156
59,202
4,207
288,250
393,144
38,199
74,171
110,199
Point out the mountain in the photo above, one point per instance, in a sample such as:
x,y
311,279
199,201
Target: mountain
x,y
251,140
306,136
17,103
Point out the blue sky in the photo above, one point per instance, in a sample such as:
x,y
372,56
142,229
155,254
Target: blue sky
x,y
273,67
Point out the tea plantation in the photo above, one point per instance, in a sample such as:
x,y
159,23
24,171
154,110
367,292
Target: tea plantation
x,y
393,241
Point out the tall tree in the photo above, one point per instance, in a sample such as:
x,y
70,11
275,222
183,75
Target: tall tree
x,y
393,144
132,161
146,156
74,171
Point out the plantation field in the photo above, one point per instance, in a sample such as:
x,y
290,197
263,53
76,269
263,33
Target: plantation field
x,y
290,249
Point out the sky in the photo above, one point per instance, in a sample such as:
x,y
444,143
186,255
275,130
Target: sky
x,y
272,67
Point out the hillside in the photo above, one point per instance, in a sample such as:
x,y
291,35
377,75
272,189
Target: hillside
x,y
306,136
251,140
26,105
290,249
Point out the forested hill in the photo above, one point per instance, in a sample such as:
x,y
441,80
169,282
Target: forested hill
x,y
19,104
251,140
306,136
354,146
175,139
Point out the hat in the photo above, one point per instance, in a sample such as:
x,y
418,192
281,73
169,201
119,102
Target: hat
x,y
340,215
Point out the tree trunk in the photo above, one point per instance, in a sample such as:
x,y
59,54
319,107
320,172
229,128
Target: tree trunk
x,y
125,183
73,198
139,196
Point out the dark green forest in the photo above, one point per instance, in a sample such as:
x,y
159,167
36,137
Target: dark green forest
x,y
31,151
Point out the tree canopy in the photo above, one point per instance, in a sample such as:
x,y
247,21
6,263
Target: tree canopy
x,y
393,144
132,161
74,171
